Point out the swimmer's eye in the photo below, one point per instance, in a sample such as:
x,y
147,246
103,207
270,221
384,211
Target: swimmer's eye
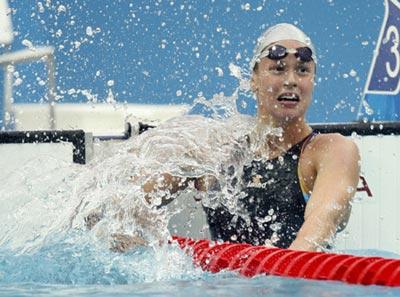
x,y
277,69
303,69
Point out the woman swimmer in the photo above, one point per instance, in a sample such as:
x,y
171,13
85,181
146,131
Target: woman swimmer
x,y
313,176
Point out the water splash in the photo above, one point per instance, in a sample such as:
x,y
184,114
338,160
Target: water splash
x,y
101,207
76,259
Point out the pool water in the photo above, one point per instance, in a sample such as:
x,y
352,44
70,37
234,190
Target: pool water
x,y
45,249
77,266
206,285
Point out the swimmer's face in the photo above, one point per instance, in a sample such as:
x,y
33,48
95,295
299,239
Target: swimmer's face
x,y
283,87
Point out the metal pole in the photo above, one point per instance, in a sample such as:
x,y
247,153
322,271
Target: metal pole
x,y
8,116
52,90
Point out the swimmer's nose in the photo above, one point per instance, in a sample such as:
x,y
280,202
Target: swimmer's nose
x,y
290,80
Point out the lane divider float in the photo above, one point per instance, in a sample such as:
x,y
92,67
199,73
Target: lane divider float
x,y
251,260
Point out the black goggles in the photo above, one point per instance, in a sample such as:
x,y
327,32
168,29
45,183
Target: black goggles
x,y
278,52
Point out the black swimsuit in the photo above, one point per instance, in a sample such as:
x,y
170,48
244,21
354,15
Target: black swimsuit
x,y
272,203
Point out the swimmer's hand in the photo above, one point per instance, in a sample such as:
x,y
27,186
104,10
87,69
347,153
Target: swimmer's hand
x,y
122,242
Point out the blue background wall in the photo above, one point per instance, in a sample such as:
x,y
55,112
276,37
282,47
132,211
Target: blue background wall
x,y
169,51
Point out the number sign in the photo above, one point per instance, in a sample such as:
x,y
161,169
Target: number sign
x,y
384,75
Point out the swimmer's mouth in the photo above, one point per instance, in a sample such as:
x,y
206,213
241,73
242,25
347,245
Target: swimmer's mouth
x,y
289,97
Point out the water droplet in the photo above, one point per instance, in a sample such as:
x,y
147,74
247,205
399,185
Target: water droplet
x,y
77,44
354,135
235,71
110,97
17,82
58,33
40,7
353,73
61,8
28,44
220,72
89,31
246,6
368,109
7,116
350,189
275,227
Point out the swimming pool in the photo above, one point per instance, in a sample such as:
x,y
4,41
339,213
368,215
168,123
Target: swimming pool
x,y
41,253
66,270
74,266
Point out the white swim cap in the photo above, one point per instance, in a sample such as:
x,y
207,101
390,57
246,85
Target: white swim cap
x,y
279,32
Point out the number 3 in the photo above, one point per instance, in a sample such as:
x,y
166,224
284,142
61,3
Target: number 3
x,y
394,49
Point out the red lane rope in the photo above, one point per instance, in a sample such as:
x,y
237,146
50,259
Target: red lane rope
x,y
240,258
253,260
221,260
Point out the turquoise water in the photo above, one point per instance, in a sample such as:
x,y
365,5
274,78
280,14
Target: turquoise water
x,y
212,286
207,285
76,266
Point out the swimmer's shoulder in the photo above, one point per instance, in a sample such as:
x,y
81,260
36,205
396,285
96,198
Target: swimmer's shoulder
x,y
330,145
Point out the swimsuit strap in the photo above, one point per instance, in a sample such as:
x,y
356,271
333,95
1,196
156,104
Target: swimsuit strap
x,y
303,186
308,139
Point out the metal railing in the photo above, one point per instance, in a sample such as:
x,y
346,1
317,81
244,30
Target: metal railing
x,y
8,61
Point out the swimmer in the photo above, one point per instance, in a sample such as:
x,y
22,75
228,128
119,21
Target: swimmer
x,y
311,177
297,191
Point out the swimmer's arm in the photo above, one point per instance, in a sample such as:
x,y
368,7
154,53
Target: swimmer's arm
x,y
337,166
